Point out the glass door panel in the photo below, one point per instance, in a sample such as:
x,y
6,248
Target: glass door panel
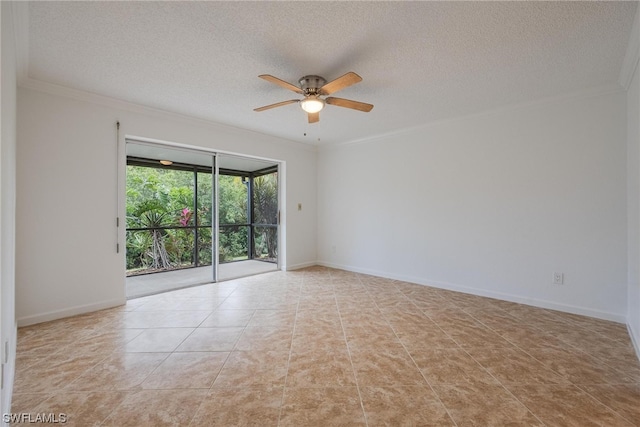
x,y
233,218
265,216
169,206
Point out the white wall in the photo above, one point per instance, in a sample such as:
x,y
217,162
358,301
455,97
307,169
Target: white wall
x,y
492,204
7,203
633,191
66,259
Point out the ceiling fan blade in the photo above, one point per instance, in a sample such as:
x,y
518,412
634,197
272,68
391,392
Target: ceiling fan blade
x,y
340,83
277,104
281,83
314,117
347,103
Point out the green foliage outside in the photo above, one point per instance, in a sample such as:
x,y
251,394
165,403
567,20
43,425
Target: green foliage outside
x,y
265,211
232,210
163,197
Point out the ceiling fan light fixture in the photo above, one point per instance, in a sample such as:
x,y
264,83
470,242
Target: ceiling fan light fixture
x,y
312,87
312,104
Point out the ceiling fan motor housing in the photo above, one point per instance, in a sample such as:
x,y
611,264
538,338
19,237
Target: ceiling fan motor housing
x,y
310,85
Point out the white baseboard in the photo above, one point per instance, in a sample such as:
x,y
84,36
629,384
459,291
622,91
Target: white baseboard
x,y
583,311
67,312
635,339
299,266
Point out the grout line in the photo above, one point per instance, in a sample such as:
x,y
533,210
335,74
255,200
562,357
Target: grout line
x,y
581,387
353,369
293,332
413,360
113,323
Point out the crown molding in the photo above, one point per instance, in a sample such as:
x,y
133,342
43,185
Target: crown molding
x,y
118,104
630,63
581,94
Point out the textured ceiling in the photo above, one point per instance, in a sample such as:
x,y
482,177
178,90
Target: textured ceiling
x,y
420,61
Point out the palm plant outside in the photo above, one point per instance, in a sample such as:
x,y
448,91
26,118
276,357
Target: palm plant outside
x,y
161,219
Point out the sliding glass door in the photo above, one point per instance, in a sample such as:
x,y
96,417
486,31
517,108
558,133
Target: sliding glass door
x,y
170,233
195,217
248,207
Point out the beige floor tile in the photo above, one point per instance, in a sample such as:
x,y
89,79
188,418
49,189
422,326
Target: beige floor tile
x,y
156,408
272,318
453,320
412,317
624,399
578,367
255,405
304,343
451,366
512,366
244,368
362,317
161,303
158,340
416,340
621,357
228,318
211,339
199,304
484,405
320,368
337,406
388,365
318,319
403,406
567,405
143,319
27,402
370,343
470,337
320,336
81,408
48,342
183,319
324,347
240,302
363,330
584,339
526,338
351,306
24,362
54,372
265,338
120,371
105,341
186,370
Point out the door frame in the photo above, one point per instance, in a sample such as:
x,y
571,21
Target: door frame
x,y
216,154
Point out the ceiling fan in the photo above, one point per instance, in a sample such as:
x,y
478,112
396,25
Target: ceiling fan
x,y
313,87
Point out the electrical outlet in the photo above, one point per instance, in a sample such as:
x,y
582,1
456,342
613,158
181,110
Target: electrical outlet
x,y
558,278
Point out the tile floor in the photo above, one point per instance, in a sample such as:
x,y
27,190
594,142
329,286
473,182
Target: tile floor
x,y
323,347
